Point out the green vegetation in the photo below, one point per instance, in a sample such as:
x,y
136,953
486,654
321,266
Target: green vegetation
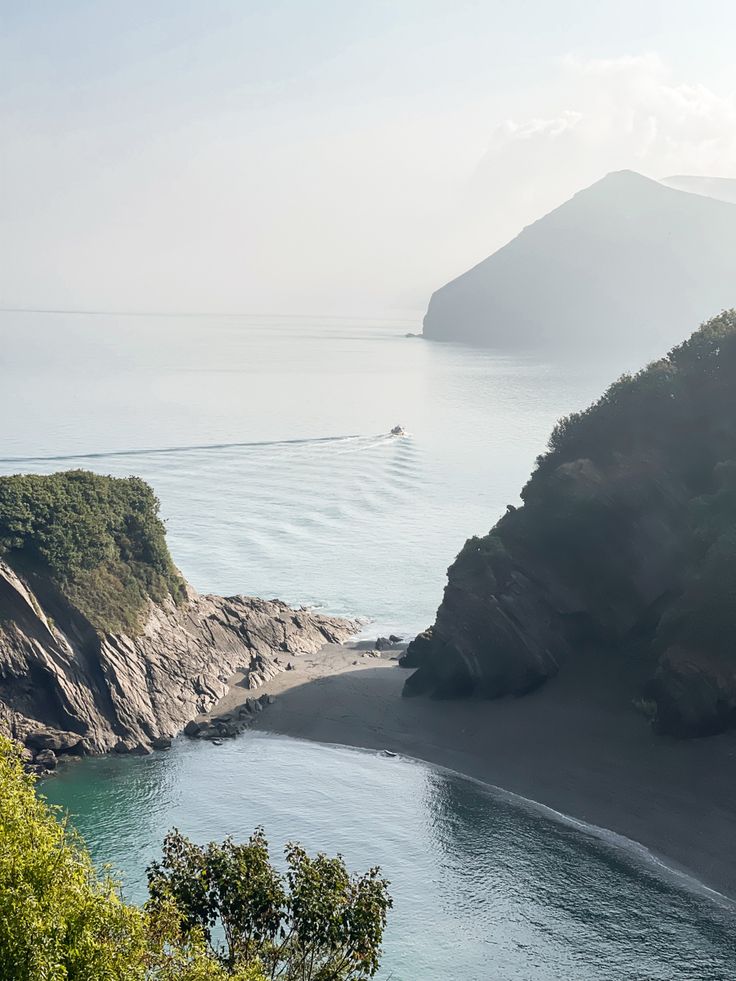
x,y
679,411
58,919
100,539
662,440
319,923
61,921
626,542
666,436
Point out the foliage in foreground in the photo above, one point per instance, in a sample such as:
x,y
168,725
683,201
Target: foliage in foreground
x,y
58,919
318,922
62,921
100,539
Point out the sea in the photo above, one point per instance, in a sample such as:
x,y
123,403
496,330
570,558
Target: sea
x,y
267,441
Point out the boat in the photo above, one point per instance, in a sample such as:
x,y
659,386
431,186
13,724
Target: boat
x,y
398,431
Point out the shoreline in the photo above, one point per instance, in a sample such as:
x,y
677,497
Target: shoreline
x,y
634,851
571,749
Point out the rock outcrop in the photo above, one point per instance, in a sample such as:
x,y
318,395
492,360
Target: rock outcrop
x,y
626,543
626,266
67,688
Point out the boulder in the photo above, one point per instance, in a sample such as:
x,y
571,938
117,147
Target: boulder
x,y
40,739
46,759
226,729
210,732
57,740
694,692
123,747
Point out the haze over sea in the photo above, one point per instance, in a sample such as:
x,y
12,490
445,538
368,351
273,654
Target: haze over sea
x,y
266,441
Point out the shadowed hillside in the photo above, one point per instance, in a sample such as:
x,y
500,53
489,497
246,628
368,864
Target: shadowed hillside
x,y
626,543
626,265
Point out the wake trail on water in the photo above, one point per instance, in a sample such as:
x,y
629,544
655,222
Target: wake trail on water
x,y
358,442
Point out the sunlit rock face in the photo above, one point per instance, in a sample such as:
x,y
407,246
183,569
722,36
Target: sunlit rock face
x,y
68,688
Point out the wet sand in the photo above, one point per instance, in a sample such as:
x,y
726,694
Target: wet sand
x,y
576,745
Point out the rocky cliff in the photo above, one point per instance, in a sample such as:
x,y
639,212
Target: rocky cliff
x,y
103,646
66,687
625,543
627,266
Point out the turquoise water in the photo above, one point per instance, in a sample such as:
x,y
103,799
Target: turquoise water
x,y
266,443
483,888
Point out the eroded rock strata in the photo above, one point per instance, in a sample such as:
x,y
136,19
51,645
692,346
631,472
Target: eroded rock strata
x,y
625,545
66,687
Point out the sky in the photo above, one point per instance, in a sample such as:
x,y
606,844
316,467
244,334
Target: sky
x,y
328,156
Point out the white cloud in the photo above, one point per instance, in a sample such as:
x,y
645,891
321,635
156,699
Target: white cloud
x,y
601,115
347,189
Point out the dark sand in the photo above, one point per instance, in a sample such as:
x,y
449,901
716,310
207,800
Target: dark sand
x,y
576,747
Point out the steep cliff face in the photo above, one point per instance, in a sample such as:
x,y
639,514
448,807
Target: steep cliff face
x,y
626,542
102,644
67,687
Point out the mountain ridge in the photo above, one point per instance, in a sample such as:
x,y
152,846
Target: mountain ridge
x,y
626,263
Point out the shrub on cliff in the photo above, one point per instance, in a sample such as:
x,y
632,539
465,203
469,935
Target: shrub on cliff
x,y
99,538
679,410
659,441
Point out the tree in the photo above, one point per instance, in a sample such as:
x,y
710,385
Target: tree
x,y
62,921
59,920
316,923
176,953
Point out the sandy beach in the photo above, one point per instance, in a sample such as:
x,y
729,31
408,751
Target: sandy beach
x,y
577,748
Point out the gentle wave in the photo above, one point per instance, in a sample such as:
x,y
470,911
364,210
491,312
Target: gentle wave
x,y
370,441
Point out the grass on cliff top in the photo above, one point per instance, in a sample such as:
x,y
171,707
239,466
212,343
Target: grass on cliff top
x,y
100,539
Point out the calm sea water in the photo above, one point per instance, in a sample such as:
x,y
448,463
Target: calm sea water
x,y
484,890
266,443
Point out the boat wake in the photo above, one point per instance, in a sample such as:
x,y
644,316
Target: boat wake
x,y
357,441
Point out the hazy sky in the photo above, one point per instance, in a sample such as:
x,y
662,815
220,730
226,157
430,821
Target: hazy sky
x,y
328,156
